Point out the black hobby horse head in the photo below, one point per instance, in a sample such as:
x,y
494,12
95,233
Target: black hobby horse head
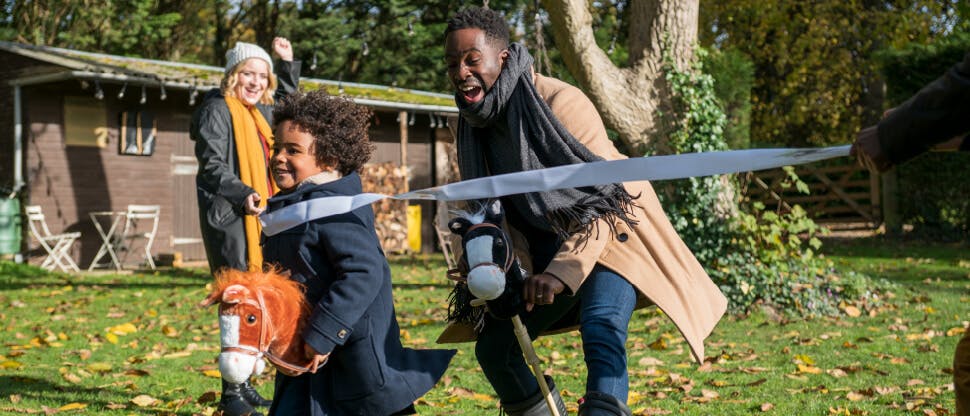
x,y
494,275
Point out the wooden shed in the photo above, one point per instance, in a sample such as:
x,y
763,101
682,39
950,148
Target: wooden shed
x,y
62,146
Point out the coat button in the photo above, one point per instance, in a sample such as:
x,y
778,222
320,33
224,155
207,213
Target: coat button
x,y
342,333
622,237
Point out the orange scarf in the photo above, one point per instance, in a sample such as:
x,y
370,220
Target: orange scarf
x,y
247,124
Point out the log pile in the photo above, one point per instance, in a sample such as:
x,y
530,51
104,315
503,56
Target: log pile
x,y
390,215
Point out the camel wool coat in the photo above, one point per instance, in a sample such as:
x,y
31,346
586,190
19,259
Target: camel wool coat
x,y
651,256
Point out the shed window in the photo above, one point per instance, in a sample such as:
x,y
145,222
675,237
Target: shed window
x,y
85,122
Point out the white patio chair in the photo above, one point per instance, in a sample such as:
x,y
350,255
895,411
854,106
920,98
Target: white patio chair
x,y
56,245
141,222
446,240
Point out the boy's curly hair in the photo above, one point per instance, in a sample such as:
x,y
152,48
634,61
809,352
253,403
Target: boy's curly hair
x,y
488,20
338,126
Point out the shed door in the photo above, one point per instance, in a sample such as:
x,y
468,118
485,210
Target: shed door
x,y
186,234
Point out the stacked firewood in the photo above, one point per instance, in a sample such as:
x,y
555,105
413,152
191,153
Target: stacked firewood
x,y
391,216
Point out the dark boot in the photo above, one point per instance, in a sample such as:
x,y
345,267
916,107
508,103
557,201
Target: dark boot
x,y
601,404
252,396
233,403
536,405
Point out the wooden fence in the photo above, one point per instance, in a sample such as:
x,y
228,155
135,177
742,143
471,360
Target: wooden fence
x,y
840,191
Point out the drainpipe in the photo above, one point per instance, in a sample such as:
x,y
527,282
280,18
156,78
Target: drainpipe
x,y
18,132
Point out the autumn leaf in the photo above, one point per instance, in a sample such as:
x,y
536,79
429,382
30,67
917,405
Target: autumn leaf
x,y
212,373
72,406
99,367
658,345
123,329
11,364
852,311
766,407
169,331
207,397
810,369
143,400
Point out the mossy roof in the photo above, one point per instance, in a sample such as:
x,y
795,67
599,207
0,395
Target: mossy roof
x,y
204,76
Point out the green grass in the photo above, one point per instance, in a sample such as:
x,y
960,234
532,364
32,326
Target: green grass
x,y
66,344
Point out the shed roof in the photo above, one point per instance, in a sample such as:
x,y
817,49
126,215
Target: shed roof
x,y
179,75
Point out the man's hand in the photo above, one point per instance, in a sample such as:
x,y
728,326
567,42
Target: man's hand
x,y
868,151
541,289
282,48
251,204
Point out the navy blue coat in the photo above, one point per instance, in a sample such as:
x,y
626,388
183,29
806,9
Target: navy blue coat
x,y
348,283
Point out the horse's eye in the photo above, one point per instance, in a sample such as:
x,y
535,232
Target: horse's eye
x,y
251,319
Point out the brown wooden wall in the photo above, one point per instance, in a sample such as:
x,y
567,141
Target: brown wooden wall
x,y
69,182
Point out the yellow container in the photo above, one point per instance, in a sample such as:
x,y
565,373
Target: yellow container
x,y
414,228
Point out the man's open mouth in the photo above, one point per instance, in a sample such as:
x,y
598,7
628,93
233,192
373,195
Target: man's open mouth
x,y
471,93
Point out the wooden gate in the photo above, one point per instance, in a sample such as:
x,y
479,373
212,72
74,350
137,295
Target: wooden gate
x,y
840,191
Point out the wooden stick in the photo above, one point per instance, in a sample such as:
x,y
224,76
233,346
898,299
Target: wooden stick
x,y
525,343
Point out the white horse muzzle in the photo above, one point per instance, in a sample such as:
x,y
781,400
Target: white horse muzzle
x,y
486,281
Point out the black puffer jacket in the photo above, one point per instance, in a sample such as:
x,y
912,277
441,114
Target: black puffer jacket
x,y
220,191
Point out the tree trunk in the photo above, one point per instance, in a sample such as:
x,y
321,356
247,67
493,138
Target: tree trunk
x,y
629,99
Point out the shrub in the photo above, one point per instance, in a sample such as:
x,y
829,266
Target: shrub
x,y
756,256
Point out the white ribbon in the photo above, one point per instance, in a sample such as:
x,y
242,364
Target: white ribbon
x,y
570,176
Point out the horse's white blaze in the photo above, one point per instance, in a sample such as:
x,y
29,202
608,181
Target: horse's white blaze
x,y
479,250
484,281
229,330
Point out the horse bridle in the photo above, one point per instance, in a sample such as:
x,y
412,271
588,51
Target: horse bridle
x,y
265,328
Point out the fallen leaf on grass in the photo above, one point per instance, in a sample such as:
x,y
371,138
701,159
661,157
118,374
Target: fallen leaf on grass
x,y
766,407
143,400
212,373
810,369
72,406
757,382
648,361
207,397
852,311
170,331
658,345
11,364
123,329
99,367
836,372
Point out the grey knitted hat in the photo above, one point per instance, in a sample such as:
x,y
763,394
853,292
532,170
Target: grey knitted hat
x,y
243,51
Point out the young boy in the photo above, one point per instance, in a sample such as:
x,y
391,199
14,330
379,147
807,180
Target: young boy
x,y
321,143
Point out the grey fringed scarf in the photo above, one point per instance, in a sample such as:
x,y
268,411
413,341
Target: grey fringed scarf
x,y
532,138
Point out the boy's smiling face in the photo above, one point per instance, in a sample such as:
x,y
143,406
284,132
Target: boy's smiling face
x,y
293,156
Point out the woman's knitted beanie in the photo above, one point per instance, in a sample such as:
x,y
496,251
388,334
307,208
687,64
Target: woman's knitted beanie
x,y
243,51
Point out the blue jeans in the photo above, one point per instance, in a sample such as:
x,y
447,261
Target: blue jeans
x,y
605,303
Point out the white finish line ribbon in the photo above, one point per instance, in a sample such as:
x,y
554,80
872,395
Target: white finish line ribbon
x,y
654,168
